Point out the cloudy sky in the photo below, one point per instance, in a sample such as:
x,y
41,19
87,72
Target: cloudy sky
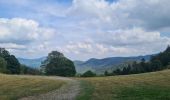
x,y
83,29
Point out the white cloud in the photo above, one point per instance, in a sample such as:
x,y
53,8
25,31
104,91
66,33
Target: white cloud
x,y
134,36
149,14
127,42
23,31
12,46
25,37
96,28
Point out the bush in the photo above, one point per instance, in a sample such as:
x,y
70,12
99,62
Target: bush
x,y
29,71
88,74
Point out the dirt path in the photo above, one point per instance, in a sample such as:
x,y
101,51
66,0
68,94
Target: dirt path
x,y
68,91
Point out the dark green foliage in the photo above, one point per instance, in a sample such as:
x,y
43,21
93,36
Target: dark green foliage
x,y
88,74
156,65
9,64
29,71
3,64
157,62
163,57
60,67
126,70
12,64
57,64
4,53
106,73
109,63
117,72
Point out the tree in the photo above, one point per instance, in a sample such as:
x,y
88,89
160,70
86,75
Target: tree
x,y
3,65
164,57
88,74
57,64
12,64
129,69
117,72
4,53
29,71
106,73
142,62
126,70
156,65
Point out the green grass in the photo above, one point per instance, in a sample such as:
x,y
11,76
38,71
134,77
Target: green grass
x,y
148,86
14,87
86,91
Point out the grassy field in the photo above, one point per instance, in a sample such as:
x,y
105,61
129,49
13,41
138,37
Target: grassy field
x,y
14,87
86,91
148,86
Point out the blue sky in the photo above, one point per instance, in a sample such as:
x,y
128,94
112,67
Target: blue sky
x,y
83,29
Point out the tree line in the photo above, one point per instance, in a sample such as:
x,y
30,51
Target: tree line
x,y
9,64
55,64
157,62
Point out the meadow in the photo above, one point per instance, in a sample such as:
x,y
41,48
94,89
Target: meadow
x,y
147,86
13,87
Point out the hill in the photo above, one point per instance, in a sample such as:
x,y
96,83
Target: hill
x,y
147,86
96,65
100,65
33,63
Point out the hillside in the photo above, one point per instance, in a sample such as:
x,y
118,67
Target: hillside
x,y
147,86
96,65
33,63
100,65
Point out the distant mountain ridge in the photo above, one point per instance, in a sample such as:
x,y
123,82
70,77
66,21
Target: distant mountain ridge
x,y
33,63
96,65
100,65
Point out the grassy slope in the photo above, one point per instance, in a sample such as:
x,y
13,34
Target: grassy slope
x,y
148,86
14,87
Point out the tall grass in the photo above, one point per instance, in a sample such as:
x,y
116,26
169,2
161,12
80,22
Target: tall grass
x,y
148,86
14,87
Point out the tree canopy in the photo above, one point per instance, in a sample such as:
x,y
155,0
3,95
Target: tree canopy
x,y
157,62
3,65
9,62
88,74
57,64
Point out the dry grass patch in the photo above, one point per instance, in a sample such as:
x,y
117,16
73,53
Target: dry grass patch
x,y
14,87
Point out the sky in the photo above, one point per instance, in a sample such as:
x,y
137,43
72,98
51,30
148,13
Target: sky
x,y
83,29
